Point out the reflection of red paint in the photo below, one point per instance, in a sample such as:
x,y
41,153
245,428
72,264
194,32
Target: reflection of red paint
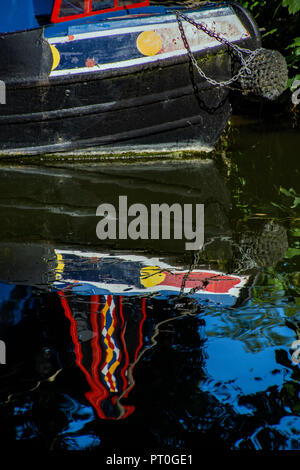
x,y
99,393
90,62
207,281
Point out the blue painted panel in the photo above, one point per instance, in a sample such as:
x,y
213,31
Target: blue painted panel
x,y
43,7
101,50
17,15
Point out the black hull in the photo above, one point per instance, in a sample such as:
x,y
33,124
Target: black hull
x,y
114,111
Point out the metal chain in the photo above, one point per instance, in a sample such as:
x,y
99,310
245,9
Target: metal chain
x,y
191,268
202,105
234,47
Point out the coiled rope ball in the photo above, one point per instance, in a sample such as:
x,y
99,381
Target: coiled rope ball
x,y
268,74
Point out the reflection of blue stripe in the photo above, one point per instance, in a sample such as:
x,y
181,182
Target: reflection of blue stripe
x,y
103,50
113,360
108,321
102,270
223,300
13,300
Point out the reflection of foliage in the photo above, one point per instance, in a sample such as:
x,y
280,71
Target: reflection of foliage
x,y
288,207
262,207
281,285
245,172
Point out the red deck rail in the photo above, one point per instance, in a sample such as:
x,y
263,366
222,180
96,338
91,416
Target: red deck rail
x,y
66,10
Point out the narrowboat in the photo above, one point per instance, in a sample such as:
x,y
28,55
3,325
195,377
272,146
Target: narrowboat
x,y
121,74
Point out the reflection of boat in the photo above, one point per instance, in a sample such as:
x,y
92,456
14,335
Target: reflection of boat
x,y
127,297
107,300
82,73
116,306
59,204
120,292
88,273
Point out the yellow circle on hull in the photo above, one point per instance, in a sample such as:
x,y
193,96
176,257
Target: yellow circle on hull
x,y
149,43
56,57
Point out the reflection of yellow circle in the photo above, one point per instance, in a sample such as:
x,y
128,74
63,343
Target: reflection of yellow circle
x,y
151,276
149,43
60,266
56,57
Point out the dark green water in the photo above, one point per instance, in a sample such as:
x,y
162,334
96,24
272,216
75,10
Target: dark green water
x,y
195,370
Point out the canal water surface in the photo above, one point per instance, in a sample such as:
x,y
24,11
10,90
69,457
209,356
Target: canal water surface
x,y
139,343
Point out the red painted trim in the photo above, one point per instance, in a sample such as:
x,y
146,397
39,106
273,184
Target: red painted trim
x,y
55,11
88,10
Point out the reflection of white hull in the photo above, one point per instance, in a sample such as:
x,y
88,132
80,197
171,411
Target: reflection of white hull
x,y
88,273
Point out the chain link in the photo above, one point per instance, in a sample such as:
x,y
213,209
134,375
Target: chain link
x,y
239,51
191,268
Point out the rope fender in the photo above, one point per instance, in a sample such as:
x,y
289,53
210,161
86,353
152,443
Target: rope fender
x,y
262,72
